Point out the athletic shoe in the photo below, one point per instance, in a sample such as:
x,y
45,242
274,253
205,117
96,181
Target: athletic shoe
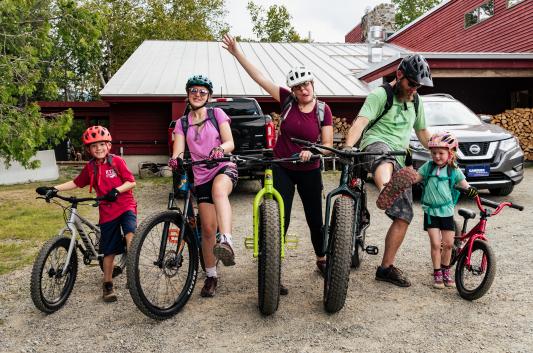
x,y
224,252
447,278
321,265
209,288
108,294
392,275
400,181
437,279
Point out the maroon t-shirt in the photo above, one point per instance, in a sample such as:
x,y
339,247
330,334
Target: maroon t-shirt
x,y
108,179
304,126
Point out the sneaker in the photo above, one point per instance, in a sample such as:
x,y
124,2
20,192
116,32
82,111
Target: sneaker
x,y
209,288
108,294
447,278
437,279
283,290
400,181
393,275
321,265
224,252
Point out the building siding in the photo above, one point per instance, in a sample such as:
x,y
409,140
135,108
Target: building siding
x,y
508,30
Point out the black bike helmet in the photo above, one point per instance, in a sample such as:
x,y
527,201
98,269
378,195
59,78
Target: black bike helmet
x,y
416,68
199,80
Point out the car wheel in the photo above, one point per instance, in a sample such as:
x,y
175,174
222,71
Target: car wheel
x,y
503,191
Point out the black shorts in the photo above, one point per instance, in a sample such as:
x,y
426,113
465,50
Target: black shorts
x,y
111,240
442,223
204,192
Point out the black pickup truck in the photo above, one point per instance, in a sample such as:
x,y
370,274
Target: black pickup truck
x,y
252,130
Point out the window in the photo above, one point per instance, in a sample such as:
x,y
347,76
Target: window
x,y
481,13
511,3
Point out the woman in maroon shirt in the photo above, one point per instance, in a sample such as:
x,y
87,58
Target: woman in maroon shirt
x,y
300,122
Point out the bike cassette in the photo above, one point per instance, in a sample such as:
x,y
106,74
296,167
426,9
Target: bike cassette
x,y
372,250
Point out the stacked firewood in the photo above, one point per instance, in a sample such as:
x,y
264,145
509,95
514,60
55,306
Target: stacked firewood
x,y
519,122
340,128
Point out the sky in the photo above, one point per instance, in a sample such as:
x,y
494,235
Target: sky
x,y
328,20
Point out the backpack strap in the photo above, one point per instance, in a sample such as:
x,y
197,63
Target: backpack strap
x,y
212,118
388,104
94,177
320,111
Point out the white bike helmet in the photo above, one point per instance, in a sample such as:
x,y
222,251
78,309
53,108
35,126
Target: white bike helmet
x,y
298,75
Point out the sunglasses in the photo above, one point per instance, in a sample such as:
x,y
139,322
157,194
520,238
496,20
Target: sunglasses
x,y
203,92
413,84
301,86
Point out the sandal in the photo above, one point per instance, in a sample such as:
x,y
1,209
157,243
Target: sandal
x,y
400,181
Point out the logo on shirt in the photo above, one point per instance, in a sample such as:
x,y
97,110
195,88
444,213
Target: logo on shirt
x,y
110,173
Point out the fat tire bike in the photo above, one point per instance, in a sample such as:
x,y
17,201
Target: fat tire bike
x,y
345,230
471,253
165,252
55,269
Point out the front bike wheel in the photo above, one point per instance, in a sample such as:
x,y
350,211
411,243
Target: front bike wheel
x,y
474,281
338,259
161,285
49,288
269,262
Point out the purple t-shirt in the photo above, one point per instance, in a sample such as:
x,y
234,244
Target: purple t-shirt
x,y
304,126
200,141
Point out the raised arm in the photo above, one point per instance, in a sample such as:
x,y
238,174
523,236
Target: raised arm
x,y
230,44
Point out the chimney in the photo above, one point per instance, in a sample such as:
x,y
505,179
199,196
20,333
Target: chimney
x,y
375,44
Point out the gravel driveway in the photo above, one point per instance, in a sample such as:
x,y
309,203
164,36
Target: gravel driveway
x,y
377,317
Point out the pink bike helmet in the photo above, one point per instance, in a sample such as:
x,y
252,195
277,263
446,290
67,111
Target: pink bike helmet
x,y
443,139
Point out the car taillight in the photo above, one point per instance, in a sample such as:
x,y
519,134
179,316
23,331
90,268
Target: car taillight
x,y
270,134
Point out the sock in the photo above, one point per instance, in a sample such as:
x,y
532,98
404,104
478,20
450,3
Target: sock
x,y
227,239
211,271
435,270
444,267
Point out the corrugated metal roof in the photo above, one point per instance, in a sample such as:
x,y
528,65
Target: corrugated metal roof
x,y
161,68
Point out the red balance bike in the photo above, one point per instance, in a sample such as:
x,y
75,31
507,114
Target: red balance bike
x,y
476,263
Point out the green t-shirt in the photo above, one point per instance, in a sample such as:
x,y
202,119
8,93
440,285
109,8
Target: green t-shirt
x,y
394,128
437,199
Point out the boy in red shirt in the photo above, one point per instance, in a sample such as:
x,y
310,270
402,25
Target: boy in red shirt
x,y
112,180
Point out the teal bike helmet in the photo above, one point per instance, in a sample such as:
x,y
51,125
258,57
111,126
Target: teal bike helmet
x,y
199,80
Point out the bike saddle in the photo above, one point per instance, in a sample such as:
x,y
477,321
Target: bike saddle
x,y
466,213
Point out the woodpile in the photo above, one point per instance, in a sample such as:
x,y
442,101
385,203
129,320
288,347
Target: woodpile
x,y
340,128
519,122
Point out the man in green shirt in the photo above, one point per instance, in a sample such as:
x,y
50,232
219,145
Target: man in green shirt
x,y
391,132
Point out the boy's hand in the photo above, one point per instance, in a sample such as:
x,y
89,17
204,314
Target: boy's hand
x,y
175,164
471,192
47,191
111,195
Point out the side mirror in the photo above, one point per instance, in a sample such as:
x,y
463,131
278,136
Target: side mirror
x,y
485,118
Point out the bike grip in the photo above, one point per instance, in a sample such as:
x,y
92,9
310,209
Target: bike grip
x,y
489,203
302,142
518,207
461,189
397,153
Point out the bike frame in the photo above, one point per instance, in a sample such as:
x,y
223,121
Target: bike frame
x,y
75,226
477,232
268,192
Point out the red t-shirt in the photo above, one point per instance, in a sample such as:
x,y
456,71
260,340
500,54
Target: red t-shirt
x,y
106,179
304,126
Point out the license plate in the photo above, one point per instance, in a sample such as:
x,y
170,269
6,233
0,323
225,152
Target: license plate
x,y
477,170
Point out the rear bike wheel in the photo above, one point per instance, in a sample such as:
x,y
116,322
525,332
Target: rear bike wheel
x,y
161,287
49,288
269,262
339,258
474,281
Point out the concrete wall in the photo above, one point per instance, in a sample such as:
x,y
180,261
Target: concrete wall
x,y
16,174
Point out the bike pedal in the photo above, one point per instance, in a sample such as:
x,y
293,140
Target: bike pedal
x,y
291,241
249,243
372,250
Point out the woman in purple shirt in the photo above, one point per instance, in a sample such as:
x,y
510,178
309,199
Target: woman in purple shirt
x,y
212,185
299,122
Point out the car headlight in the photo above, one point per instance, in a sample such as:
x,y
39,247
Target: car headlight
x,y
416,145
509,144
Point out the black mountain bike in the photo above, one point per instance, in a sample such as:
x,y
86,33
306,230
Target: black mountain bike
x,y
345,231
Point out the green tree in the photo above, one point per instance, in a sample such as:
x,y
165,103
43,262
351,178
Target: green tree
x,y
273,24
409,10
25,47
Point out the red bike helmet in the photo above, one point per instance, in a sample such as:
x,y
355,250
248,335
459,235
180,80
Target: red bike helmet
x,y
96,134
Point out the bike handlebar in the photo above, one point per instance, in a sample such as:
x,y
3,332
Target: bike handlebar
x,y
347,153
248,159
73,199
490,203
